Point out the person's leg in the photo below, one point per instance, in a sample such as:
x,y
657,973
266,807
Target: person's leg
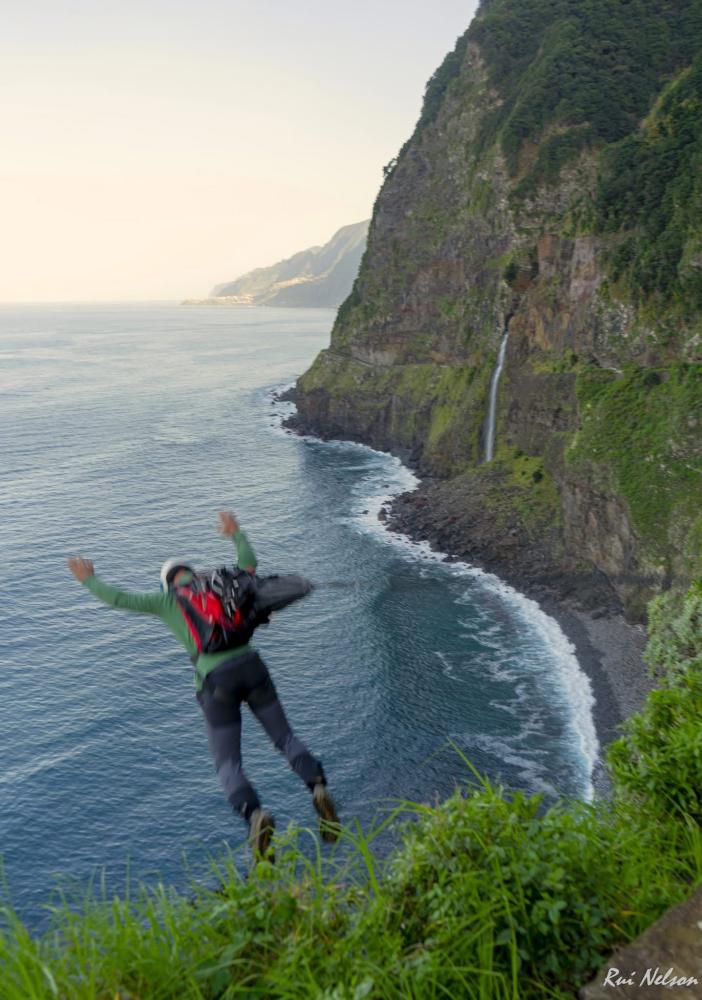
x,y
262,699
223,725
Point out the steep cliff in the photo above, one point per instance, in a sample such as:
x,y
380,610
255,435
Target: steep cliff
x,y
552,191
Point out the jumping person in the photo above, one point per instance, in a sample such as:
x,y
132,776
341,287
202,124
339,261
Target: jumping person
x,y
223,680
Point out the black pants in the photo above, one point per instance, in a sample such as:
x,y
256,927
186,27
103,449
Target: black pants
x,y
245,678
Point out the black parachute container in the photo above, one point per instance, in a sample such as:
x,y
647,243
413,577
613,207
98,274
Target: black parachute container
x,y
275,592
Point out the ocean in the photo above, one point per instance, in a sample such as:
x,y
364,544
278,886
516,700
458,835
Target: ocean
x,y
124,429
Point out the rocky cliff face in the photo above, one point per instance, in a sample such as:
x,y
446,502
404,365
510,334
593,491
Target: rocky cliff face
x,y
505,215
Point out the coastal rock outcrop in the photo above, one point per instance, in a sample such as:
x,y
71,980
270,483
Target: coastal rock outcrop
x,y
540,196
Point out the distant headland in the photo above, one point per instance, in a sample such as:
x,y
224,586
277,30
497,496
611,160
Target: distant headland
x,y
320,276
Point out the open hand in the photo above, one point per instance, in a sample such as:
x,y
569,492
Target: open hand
x,y
81,568
228,524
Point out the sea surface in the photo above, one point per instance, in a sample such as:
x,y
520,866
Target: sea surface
x,y
123,430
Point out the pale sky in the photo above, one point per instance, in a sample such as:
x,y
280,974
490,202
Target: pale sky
x,y
153,148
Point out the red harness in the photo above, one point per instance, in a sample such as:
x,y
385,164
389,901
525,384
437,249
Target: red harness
x,y
213,629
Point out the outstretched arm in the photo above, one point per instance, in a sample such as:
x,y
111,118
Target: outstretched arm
x,y
84,571
228,525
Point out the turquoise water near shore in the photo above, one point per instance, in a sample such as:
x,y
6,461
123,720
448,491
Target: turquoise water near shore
x,y
124,429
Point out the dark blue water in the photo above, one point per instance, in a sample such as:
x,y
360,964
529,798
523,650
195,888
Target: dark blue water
x,y
124,429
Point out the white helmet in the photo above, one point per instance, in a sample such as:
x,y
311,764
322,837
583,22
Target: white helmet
x,y
169,570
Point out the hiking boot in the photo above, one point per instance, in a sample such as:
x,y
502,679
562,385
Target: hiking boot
x,y
329,826
261,828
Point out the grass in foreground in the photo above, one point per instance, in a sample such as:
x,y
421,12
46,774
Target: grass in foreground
x,y
488,895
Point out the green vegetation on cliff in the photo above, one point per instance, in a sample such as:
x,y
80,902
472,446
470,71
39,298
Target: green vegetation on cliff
x,y
651,192
574,74
657,764
530,490
644,429
583,71
425,407
490,895
440,80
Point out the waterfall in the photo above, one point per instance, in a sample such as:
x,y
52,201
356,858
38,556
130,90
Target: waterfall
x,y
492,408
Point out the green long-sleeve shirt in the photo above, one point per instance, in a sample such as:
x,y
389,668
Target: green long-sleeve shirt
x,y
165,607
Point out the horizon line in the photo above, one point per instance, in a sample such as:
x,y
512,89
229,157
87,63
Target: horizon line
x,y
124,302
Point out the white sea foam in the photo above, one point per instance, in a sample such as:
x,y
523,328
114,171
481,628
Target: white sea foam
x,y
533,774
447,667
540,629
511,707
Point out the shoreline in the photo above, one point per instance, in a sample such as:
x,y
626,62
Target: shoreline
x,y
609,651
607,647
